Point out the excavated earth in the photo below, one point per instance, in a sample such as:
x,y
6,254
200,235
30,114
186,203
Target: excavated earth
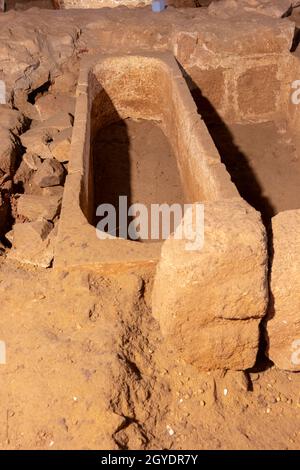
x,y
86,365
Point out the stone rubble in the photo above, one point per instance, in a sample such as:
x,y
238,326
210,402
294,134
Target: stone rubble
x,y
48,104
37,141
33,207
4,207
223,330
50,173
23,176
61,145
8,151
32,160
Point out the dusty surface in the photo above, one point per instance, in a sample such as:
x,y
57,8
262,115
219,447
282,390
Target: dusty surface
x,y
263,160
86,368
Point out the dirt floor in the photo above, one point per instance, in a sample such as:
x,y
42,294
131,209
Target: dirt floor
x,y
87,368
263,161
125,154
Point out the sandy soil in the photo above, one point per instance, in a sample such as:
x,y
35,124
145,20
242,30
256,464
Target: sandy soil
x,y
87,368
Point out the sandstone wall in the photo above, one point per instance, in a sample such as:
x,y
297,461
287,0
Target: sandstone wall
x,y
241,81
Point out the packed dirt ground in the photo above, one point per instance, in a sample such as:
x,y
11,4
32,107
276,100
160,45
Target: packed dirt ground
x,y
87,369
87,366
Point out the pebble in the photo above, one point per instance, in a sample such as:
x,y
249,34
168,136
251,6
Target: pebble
x,y
171,431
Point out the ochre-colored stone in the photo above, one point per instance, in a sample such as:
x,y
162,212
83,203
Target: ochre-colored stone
x,y
61,145
283,327
219,293
258,90
210,83
48,105
31,243
229,8
34,207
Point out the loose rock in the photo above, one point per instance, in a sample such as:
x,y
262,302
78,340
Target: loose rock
x,y
50,173
61,145
32,160
48,105
8,151
31,245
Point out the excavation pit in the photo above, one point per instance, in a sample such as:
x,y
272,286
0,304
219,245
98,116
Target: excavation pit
x,y
263,161
137,133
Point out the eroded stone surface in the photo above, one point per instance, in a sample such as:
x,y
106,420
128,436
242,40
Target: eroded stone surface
x,y
34,207
50,173
37,141
11,119
32,160
219,293
273,8
61,145
8,151
31,245
49,105
23,175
